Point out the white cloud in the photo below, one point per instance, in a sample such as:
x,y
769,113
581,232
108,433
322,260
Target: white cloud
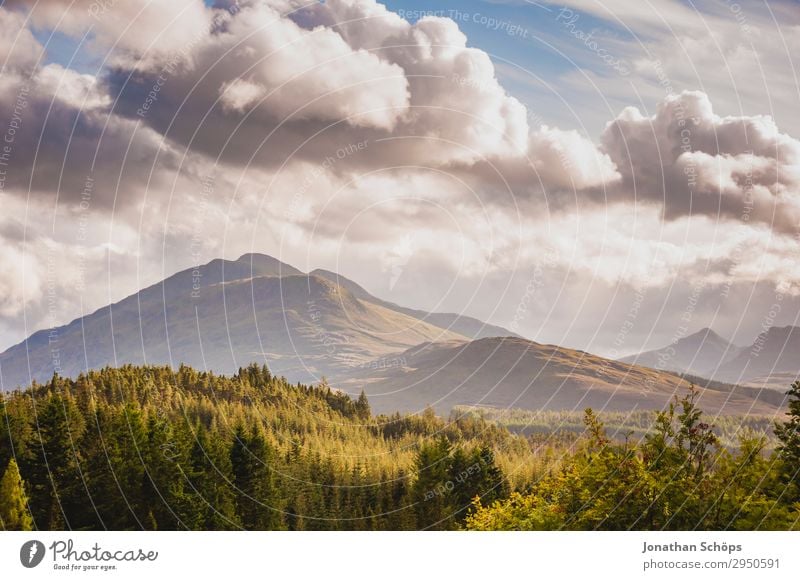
x,y
239,95
692,161
569,160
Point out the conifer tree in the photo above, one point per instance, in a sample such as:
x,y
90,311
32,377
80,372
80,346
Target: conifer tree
x,y
14,514
209,473
788,433
363,411
164,484
256,501
57,484
431,493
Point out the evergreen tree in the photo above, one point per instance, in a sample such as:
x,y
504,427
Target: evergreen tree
x,y
97,447
209,475
363,411
400,514
59,498
491,485
165,486
788,434
16,434
14,514
256,500
431,493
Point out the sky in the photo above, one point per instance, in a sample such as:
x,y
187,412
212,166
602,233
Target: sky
x,y
609,176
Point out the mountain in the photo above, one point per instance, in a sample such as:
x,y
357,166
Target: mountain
x,y
774,352
226,314
701,354
513,372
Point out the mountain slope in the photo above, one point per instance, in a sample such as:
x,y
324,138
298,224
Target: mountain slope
x,y
458,323
701,354
511,372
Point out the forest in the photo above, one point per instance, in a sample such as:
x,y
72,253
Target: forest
x,y
154,448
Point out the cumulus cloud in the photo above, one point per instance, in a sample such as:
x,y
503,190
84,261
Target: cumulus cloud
x,y
270,83
693,161
567,159
13,297
239,95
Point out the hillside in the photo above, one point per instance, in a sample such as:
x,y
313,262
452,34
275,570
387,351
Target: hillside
x,y
303,326
511,372
458,323
151,448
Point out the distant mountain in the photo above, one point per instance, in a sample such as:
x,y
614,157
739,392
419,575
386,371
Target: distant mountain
x,y
772,361
226,314
774,352
701,354
513,372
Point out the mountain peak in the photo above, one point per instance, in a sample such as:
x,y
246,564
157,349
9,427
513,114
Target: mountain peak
x,y
699,353
705,353
785,331
709,334
773,352
265,261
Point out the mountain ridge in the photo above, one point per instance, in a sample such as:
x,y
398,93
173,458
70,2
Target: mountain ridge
x,y
773,352
459,323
